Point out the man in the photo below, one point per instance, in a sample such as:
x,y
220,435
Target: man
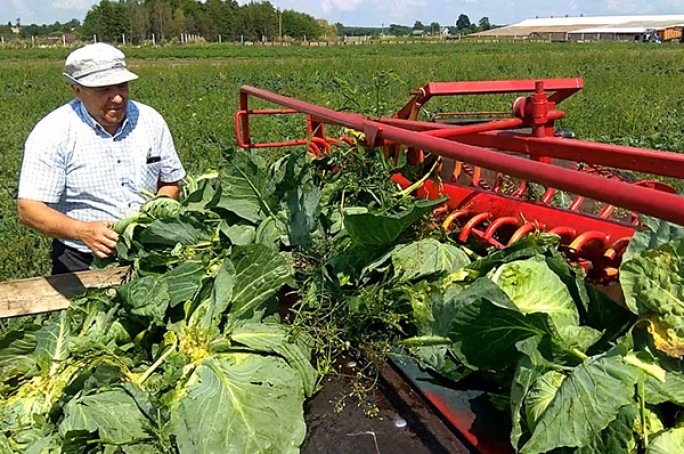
x,y
87,163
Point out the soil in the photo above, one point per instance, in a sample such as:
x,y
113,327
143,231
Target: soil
x,y
403,424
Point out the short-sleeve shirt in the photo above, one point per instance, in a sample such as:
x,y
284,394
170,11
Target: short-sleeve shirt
x,y
76,167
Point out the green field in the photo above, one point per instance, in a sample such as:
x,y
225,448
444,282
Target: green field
x,y
633,95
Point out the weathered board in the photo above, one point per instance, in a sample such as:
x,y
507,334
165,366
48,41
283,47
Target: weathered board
x,y
44,294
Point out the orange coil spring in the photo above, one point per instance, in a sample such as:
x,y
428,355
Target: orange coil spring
x,y
592,250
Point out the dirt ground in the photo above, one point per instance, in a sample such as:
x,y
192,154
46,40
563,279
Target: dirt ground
x,y
400,426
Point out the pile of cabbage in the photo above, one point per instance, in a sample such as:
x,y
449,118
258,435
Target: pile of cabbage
x,y
193,354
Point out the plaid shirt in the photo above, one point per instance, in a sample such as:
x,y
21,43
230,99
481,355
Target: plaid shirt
x,y
75,166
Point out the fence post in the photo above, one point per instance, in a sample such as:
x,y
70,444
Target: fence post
x,y
220,38
94,38
123,39
64,40
33,41
154,41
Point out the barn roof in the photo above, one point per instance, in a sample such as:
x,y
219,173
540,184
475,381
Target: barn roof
x,y
594,24
602,20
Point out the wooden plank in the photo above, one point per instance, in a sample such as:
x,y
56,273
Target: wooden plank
x,y
44,294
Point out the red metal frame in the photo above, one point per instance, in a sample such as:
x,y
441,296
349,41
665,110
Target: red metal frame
x,y
561,88
483,209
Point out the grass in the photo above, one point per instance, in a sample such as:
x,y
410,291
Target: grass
x,y
632,94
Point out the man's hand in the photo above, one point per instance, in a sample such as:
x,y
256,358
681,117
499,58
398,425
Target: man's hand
x,y
98,236
169,189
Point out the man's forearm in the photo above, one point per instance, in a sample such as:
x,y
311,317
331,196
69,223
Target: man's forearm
x,y
48,221
96,235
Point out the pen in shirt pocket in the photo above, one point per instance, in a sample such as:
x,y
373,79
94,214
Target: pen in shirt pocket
x,y
152,159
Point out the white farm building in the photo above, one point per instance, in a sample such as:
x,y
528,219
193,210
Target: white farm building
x,y
597,28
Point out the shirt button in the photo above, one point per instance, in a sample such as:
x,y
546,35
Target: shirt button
x,y
118,161
123,184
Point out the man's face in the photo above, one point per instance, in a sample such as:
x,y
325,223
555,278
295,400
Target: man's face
x,y
107,105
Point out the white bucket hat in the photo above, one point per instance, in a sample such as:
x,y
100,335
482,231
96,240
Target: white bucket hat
x,y
97,65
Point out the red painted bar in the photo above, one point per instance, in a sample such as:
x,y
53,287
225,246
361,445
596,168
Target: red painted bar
x,y
629,158
665,206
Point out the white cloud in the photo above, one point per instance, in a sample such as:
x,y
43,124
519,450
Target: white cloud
x,y
337,5
21,8
625,6
73,4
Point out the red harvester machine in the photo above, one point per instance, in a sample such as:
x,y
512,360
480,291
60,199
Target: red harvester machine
x,y
506,174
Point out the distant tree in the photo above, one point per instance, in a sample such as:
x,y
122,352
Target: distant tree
x,y
257,20
28,31
484,24
207,18
399,30
327,30
360,31
224,16
463,22
178,21
191,24
139,20
299,25
162,20
418,26
435,27
108,20
72,25
192,10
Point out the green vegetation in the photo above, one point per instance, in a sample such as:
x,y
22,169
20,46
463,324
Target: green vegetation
x,y
633,93
200,321
212,20
197,352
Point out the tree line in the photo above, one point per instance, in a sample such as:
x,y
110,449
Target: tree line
x,y
137,20
27,31
213,20
462,26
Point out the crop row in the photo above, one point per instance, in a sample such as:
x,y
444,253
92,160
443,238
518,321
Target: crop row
x,y
632,94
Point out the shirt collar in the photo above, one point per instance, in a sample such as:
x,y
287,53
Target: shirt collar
x,y
90,121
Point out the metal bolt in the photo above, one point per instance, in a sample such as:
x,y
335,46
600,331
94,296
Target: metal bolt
x,y
400,423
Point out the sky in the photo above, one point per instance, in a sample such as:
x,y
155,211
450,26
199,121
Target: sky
x,y
376,13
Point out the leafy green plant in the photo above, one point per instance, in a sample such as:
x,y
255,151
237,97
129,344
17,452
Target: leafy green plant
x,y
356,260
